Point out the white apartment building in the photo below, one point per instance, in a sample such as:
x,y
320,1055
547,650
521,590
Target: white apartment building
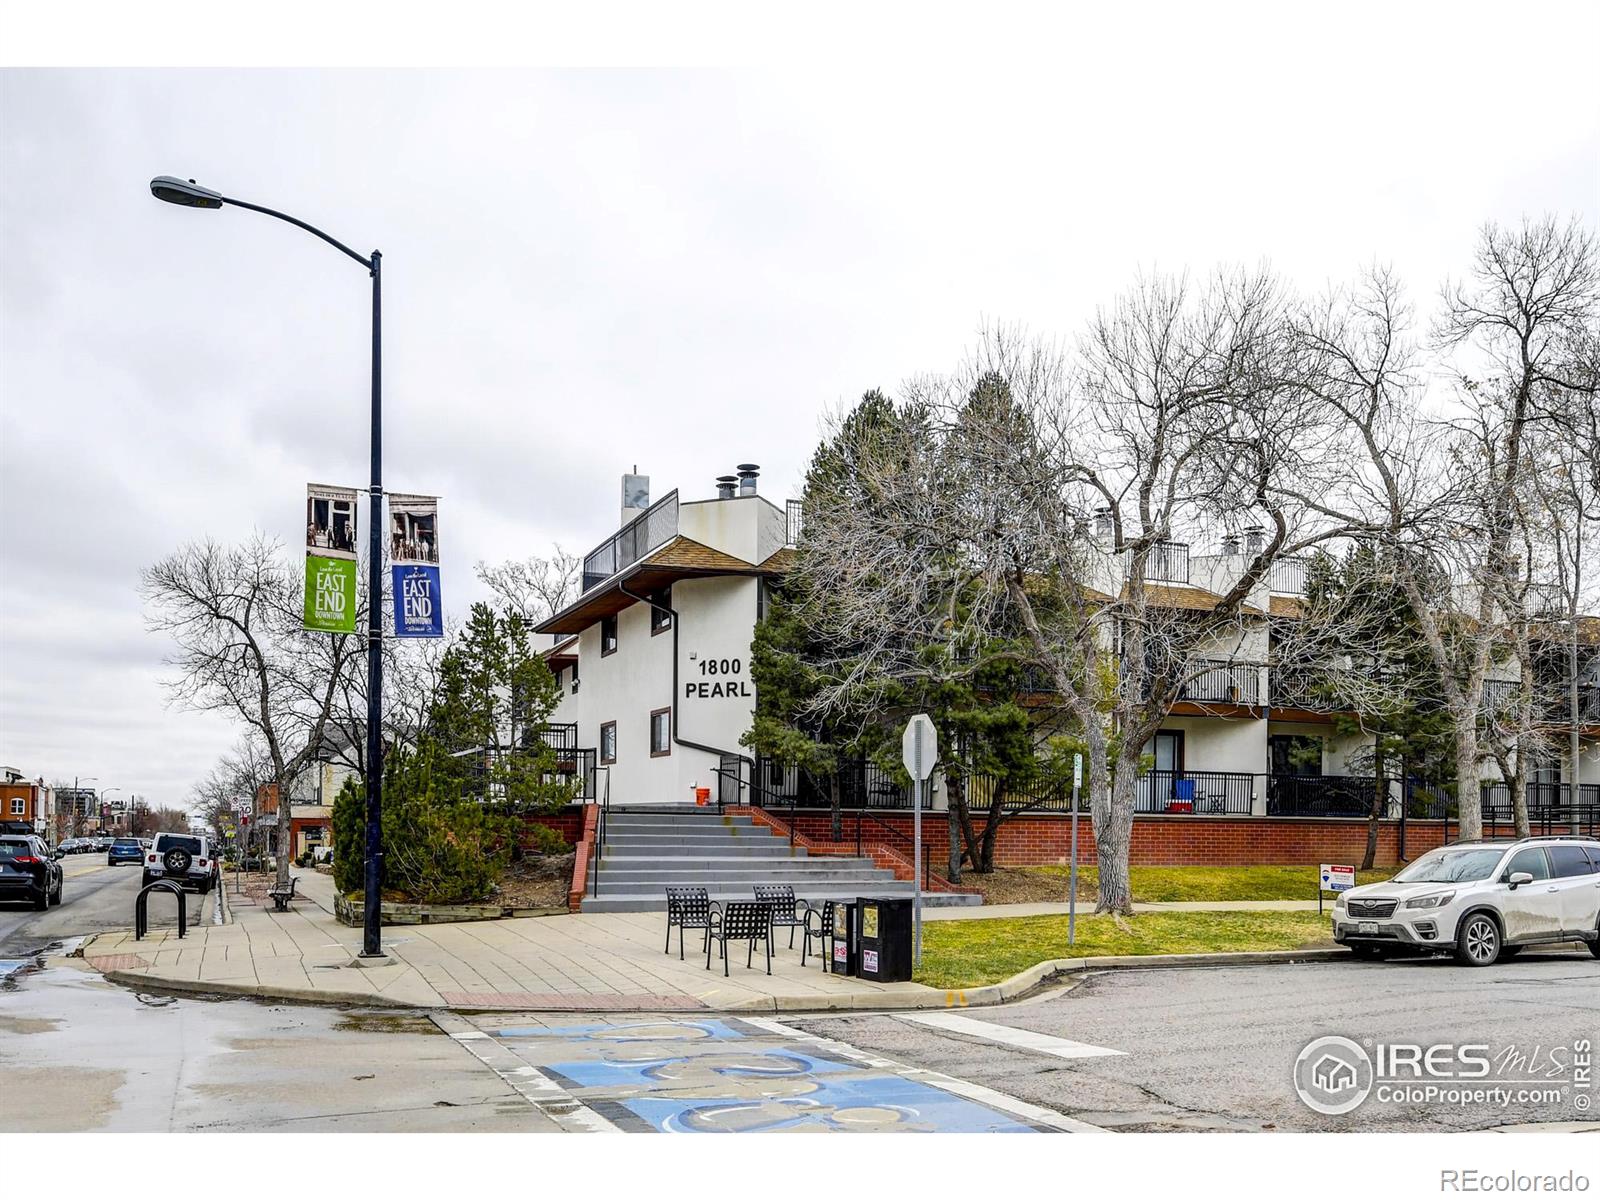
x,y
653,658
653,662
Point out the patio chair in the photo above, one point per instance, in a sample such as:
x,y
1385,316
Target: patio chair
x,y
747,921
688,908
821,929
781,897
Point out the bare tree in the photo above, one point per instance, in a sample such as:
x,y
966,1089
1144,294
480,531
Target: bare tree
x,y
234,615
534,586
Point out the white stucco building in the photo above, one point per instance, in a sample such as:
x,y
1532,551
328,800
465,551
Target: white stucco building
x,y
653,658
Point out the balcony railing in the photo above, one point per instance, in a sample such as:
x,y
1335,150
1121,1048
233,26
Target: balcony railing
x,y
1497,796
653,527
1289,576
1324,796
862,785
1224,683
1498,694
794,519
1167,562
1216,793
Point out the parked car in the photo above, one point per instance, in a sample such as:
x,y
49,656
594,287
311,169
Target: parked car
x,y
28,871
125,850
1483,901
185,857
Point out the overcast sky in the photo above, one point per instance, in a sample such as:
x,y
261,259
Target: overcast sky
x,y
585,270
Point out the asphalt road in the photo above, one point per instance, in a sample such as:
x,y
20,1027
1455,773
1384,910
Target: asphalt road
x,y
1162,1049
1214,1048
94,898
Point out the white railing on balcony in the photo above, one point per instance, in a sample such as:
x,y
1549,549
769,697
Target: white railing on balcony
x,y
1289,576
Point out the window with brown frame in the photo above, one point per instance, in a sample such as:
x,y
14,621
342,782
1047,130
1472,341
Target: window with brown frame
x,y
608,742
608,635
660,732
660,611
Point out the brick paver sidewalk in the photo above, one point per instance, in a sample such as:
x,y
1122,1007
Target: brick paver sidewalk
x,y
609,962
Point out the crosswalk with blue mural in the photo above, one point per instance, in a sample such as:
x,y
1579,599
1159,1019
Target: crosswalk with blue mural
x,y
730,1075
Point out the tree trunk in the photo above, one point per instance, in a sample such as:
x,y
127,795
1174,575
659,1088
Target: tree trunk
x,y
836,818
991,831
1113,835
285,841
956,796
1380,803
1469,800
1518,783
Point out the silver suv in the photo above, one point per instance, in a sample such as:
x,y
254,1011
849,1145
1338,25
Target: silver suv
x,y
184,857
1484,901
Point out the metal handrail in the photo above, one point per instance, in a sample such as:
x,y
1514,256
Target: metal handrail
x,y
597,847
895,833
633,541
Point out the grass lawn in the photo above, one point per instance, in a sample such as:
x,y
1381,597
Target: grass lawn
x,y
963,954
1157,884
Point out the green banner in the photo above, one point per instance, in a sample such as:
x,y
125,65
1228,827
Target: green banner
x,y
330,594
330,559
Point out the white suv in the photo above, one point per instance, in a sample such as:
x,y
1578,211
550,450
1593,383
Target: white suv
x,y
1483,900
184,857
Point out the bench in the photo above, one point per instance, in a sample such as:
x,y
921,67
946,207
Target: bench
x,y
281,895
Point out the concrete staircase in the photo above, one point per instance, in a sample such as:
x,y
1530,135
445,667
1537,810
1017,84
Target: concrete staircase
x,y
647,849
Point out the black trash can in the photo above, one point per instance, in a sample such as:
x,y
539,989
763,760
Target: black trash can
x,y
846,944
885,930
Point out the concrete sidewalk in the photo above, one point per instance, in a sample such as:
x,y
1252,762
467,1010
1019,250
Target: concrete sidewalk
x,y
608,962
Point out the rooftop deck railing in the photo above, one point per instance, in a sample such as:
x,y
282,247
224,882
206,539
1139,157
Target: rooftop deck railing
x,y
653,527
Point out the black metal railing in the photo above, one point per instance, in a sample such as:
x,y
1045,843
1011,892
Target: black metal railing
x,y
1543,820
1323,796
981,791
1213,793
1167,562
597,847
1223,683
652,527
556,735
1540,795
863,784
1498,694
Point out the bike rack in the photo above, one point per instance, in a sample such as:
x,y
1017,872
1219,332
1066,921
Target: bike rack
x,y
141,915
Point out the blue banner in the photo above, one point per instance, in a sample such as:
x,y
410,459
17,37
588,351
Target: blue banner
x,y
418,611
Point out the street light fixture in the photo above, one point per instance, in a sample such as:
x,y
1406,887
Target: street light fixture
x,y
189,194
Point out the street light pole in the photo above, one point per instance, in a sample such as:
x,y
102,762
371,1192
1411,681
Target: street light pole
x,y
190,195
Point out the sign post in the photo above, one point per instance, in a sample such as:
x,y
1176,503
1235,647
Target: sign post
x,y
1072,867
1334,878
919,750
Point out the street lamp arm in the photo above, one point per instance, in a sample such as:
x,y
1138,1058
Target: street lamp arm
x,y
272,212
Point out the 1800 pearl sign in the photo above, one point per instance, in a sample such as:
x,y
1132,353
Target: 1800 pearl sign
x,y
718,677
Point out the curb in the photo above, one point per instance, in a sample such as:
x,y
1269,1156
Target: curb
x,y
1017,986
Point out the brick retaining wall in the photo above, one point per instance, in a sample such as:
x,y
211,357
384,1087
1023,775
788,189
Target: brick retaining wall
x,y
1165,841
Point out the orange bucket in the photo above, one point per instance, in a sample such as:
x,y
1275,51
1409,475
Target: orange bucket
x,y
702,795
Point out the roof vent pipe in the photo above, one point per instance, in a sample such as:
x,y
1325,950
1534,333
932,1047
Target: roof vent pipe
x,y
1104,527
1230,544
747,478
1255,538
725,486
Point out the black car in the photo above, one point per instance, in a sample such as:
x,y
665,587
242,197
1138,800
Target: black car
x,y
28,871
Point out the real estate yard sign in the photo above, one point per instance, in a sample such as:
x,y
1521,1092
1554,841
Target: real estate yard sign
x,y
330,559
414,565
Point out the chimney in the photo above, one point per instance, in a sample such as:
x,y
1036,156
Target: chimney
x,y
1103,525
726,484
1254,539
635,495
747,478
1230,544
